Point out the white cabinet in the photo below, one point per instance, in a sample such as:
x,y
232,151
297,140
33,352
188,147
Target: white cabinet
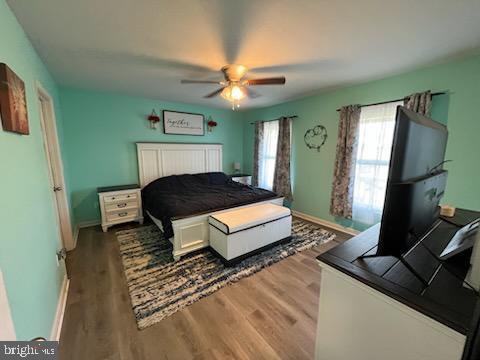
x,y
119,205
358,322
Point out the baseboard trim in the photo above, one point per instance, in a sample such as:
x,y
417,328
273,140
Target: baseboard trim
x,y
59,314
82,225
86,224
326,223
76,231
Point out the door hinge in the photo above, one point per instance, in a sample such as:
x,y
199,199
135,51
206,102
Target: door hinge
x,y
57,188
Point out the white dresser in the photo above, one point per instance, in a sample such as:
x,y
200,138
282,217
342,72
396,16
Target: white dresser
x,y
376,309
242,178
120,204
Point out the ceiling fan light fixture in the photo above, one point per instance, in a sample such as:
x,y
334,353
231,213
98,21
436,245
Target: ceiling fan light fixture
x,y
238,92
233,93
234,87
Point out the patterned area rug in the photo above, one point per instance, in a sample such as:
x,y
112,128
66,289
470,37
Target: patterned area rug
x,y
159,286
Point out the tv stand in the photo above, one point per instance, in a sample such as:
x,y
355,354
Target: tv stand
x,y
402,259
462,240
384,308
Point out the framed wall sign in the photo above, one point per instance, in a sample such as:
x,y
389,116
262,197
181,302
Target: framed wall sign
x,y
13,103
181,123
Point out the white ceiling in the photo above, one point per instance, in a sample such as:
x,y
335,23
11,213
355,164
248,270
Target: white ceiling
x,y
144,47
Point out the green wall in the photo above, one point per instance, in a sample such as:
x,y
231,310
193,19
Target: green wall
x,y
98,131
313,170
101,130
28,233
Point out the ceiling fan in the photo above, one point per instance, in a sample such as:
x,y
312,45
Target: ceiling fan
x,y
234,88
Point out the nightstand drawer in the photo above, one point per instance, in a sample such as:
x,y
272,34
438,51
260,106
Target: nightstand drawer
x,y
120,197
121,205
122,215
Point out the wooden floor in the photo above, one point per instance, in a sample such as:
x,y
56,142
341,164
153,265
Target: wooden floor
x,y
270,315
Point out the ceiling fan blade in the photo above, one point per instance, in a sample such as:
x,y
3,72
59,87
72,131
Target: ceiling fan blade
x,y
267,81
200,82
138,59
215,93
252,94
314,65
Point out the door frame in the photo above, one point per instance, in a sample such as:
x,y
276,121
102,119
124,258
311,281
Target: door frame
x,y
7,329
48,126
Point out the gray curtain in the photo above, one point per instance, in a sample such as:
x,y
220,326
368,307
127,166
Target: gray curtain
x,y
257,149
282,184
344,172
419,102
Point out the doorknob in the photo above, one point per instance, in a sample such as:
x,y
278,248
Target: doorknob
x,y
57,188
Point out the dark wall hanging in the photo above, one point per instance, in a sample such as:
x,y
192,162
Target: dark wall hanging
x,y
316,137
211,124
13,102
154,119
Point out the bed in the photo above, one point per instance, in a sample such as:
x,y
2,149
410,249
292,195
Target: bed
x,y
183,184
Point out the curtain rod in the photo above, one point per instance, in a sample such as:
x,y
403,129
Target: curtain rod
x,y
291,117
389,101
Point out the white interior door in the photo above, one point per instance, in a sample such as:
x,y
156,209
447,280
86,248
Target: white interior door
x,y
7,330
55,165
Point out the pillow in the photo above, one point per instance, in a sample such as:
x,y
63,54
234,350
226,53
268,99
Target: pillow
x,y
217,178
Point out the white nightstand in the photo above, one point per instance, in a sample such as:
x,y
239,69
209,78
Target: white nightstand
x,y
120,204
242,178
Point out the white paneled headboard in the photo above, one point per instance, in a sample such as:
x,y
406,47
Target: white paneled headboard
x,y
156,160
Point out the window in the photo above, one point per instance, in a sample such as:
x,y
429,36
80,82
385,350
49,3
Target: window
x,y
377,123
268,151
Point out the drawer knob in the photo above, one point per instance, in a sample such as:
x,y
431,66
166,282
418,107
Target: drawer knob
x,y
123,214
122,205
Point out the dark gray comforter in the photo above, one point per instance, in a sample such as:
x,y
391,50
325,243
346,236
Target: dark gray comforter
x,y
186,195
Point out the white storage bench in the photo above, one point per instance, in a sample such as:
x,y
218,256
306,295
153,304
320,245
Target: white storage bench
x,y
237,234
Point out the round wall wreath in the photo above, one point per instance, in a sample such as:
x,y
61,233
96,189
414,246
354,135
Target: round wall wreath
x,y
316,137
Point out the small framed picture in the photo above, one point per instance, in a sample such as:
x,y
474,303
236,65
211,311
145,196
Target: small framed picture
x,y
13,102
180,123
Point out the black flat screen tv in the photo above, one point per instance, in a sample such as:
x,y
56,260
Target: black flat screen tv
x,y
416,182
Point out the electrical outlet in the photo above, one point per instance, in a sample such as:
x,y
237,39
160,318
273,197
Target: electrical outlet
x,y
60,255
